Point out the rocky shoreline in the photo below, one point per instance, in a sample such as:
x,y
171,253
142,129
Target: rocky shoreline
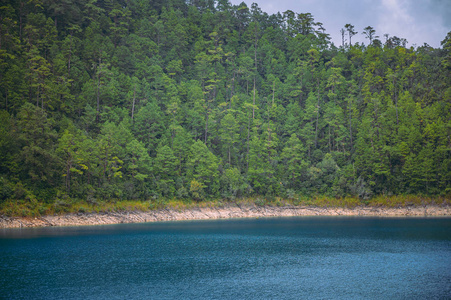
x,y
225,212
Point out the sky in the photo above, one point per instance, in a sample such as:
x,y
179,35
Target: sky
x,y
418,21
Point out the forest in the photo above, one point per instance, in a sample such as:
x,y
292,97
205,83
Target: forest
x,y
201,99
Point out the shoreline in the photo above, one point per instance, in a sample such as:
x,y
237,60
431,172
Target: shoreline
x,y
225,212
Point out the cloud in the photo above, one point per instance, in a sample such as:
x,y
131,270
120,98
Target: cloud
x,y
395,19
442,8
396,9
418,21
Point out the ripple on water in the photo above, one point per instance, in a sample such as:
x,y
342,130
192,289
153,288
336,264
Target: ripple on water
x,y
276,258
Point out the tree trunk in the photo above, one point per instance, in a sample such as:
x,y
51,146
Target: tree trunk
x,y
396,101
255,60
350,124
68,177
273,91
70,56
172,138
253,102
20,20
329,140
37,97
232,90
133,105
206,128
269,144
316,126
248,130
43,94
105,163
98,90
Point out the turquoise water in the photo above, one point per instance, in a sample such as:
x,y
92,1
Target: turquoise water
x,y
276,258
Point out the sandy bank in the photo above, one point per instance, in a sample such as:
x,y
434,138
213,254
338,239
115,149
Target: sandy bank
x,y
229,211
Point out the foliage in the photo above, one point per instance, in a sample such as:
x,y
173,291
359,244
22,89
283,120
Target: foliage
x,y
107,101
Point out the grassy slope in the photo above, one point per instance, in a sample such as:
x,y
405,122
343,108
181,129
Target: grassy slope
x,y
34,208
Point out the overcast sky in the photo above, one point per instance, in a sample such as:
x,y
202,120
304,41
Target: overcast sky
x,y
418,21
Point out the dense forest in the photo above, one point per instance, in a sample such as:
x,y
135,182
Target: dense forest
x,y
201,99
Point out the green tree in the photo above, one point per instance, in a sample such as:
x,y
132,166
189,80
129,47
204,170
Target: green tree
x,y
370,34
68,147
294,162
351,32
37,160
166,168
229,134
202,169
138,166
149,125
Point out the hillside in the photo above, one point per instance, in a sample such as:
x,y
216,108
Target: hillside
x,y
152,100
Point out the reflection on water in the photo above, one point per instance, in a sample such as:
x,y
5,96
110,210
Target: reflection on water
x,y
276,258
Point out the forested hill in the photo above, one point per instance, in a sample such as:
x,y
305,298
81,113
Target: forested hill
x,y
139,99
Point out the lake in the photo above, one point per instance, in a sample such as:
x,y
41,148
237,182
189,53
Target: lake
x,y
267,258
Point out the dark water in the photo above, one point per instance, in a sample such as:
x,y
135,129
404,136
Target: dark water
x,y
280,258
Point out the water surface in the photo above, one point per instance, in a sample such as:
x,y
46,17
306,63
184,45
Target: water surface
x,y
274,258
